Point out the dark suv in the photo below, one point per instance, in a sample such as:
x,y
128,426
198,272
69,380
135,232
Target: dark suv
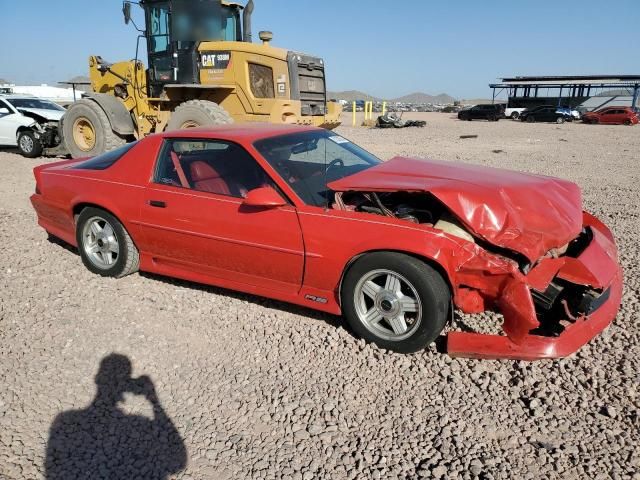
x,y
493,113
546,113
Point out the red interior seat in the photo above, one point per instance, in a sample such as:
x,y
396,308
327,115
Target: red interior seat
x,y
206,179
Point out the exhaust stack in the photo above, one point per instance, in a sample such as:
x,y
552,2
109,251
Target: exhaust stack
x,y
246,22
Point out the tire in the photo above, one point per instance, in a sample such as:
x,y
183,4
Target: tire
x,y
420,287
531,119
198,113
627,122
86,130
111,239
515,115
560,120
29,145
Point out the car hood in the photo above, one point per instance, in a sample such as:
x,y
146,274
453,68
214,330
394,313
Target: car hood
x,y
51,115
525,213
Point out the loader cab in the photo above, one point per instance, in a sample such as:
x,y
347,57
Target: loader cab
x,y
174,30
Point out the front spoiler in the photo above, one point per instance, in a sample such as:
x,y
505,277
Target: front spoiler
x,y
597,266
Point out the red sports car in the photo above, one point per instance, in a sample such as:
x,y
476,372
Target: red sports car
x,y
303,215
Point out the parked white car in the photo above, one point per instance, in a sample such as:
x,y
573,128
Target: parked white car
x,y
29,123
513,113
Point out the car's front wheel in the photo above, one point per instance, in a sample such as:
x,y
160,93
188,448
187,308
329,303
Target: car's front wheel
x,y
560,120
514,115
395,301
105,246
531,119
29,145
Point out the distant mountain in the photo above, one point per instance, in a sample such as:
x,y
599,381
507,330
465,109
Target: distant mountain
x,y
352,96
416,98
420,97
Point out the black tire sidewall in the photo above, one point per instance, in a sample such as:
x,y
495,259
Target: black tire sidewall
x,y
121,262
432,290
88,110
37,145
203,112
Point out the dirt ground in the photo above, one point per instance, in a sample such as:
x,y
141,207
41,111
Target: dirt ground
x,y
211,384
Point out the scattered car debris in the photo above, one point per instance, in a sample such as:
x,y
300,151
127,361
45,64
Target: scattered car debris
x,y
497,151
393,121
468,136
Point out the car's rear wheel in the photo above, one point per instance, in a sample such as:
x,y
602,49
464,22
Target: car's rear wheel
x,y
29,145
515,115
106,248
395,301
560,120
531,119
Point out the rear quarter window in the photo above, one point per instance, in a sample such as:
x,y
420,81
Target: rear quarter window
x,y
104,161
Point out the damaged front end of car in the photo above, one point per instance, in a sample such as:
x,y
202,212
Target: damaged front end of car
x,y
553,309
45,130
524,249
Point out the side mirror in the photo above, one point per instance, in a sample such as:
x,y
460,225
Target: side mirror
x,y
126,11
265,197
4,111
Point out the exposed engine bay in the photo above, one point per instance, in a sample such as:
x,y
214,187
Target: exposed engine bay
x,y
45,130
419,208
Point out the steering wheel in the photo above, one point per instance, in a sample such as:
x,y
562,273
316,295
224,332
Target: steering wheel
x,y
338,162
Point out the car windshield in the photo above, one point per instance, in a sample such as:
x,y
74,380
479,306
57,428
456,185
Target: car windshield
x,y
34,103
309,160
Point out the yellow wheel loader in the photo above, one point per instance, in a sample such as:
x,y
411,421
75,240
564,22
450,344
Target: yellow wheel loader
x,y
203,69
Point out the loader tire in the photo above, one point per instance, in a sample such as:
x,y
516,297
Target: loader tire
x,y
198,113
87,132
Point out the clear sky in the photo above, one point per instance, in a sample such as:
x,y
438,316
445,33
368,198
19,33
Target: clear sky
x,y
385,48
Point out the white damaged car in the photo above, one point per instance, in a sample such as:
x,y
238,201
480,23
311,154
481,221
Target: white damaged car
x,y
29,123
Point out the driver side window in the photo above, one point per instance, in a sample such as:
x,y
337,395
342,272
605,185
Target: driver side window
x,y
4,109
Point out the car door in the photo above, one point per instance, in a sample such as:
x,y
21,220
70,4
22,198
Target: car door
x,y
548,115
608,116
194,219
10,121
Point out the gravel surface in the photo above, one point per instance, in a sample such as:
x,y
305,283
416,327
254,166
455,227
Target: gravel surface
x,y
152,378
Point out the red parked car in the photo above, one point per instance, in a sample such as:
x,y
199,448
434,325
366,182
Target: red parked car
x,y
612,115
303,215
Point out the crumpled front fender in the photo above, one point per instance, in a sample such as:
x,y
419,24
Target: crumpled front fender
x,y
595,269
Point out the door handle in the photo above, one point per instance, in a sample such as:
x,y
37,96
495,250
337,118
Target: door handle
x,y
157,204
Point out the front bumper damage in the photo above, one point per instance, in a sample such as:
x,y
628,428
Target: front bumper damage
x,y
556,308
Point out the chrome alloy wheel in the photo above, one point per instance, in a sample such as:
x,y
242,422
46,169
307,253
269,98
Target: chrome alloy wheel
x,y
388,305
26,143
100,243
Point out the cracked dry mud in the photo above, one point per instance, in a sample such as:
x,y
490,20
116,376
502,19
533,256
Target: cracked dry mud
x,y
254,388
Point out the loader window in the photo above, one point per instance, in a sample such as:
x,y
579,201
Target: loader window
x,y
261,79
159,29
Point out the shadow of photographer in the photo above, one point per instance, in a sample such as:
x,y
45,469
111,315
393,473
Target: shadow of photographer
x,y
102,441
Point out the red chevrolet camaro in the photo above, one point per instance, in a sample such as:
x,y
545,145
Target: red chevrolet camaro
x,y
303,215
